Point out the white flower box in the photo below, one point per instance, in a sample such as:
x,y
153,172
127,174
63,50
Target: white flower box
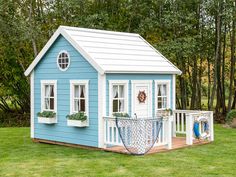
x,y
46,120
77,123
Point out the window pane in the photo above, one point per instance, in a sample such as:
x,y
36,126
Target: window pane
x,y
51,90
82,89
76,91
82,105
164,105
164,90
52,103
46,103
159,90
115,91
121,91
76,105
159,102
115,106
47,91
121,105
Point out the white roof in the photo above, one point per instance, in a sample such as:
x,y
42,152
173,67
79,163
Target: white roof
x,y
112,52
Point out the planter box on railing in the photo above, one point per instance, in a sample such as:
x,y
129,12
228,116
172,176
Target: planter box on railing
x,y
77,123
47,120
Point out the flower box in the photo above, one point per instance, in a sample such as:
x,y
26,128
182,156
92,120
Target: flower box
x,y
47,120
77,123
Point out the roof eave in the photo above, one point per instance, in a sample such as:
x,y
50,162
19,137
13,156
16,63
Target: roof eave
x,y
144,72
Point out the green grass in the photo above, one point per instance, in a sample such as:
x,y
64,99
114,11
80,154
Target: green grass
x,y
21,157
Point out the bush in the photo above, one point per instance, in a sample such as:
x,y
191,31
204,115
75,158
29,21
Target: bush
x,y
77,116
120,114
14,119
47,114
230,116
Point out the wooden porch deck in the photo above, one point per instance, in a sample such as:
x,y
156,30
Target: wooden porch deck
x,y
177,143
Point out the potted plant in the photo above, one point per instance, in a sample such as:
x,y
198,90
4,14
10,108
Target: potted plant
x,y
47,117
164,113
120,114
77,120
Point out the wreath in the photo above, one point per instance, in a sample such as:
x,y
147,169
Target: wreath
x,y
142,96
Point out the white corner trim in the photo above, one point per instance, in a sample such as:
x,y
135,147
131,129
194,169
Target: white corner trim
x,y
126,84
174,91
101,108
63,51
44,82
32,104
79,82
141,82
167,82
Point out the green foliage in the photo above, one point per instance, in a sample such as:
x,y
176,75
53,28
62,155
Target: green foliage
x,y
118,114
77,116
230,116
46,114
184,31
14,119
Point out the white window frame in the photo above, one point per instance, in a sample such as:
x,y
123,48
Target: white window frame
x,y
167,82
126,90
79,82
63,51
48,82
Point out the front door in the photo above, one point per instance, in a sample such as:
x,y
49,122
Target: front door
x,y
142,99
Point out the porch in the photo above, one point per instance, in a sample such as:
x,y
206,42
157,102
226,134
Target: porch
x,y
176,132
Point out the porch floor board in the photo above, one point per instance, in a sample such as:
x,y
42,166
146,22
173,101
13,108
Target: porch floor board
x,y
177,143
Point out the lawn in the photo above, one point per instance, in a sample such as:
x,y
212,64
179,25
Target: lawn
x,y
21,157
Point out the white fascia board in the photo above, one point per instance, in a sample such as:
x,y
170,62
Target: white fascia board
x,y
42,52
61,31
144,72
82,52
179,72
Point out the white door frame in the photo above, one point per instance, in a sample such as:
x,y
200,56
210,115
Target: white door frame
x,y
133,96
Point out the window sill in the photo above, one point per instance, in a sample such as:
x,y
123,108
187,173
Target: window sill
x,y
77,123
45,120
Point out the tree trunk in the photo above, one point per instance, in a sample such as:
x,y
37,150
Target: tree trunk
x,y
232,67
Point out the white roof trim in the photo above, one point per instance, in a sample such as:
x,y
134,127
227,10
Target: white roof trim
x,y
68,32
178,72
73,43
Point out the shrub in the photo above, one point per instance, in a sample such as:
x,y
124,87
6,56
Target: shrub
x,y
118,114
14,119
77,116
47,114
230,116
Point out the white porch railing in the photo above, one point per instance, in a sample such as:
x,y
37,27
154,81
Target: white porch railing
x,y
112,138
183,121
180,123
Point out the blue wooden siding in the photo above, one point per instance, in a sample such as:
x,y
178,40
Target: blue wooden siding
x,y
138,77
79,69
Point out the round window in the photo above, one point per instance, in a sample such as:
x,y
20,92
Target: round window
x,y
63,60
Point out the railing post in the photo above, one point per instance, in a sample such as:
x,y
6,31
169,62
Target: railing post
x,y
168,131
174,124
211,126
189,129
